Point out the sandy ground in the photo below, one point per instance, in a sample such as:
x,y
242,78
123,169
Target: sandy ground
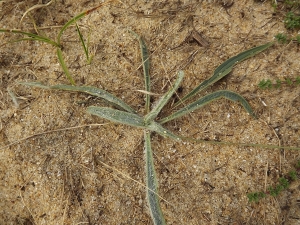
x,y
87,175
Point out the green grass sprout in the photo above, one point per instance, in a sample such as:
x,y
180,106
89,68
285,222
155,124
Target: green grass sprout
x,y
85,46
76,18
281,38
30,37
64,66
57,43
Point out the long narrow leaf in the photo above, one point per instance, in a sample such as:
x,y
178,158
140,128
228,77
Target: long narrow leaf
x,y
117,116
224,69
146,68
31,37
164,99
152,184
35,84
64,67
69,23
96,92
85,47
207,99
86,89
130,119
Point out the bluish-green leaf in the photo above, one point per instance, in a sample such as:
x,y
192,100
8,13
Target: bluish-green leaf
x,y
96,92
152,184
35,84
146,67
86,89
225,69
117,116
164,99
130,119
207,99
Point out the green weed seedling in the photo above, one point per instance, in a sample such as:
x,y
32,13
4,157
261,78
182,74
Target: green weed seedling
x,y
292,21
284,183
84,45
57,43
268,84
281,38
284,39
289,8
150,124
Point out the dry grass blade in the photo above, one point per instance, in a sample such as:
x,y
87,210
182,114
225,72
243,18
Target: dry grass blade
x,y
224,69
38,6
207,99
152,184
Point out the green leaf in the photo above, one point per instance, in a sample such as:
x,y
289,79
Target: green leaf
x,y
293,175
146,67
35,84
164,99
264,84
289,81
76,18
278,83
86,89
117,116
224,69
95,92
207,99
64,66
152,184
69,23
130,119
85,47
297,80
284,182
31,37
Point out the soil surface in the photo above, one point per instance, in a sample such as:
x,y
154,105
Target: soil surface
x,y
61,165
